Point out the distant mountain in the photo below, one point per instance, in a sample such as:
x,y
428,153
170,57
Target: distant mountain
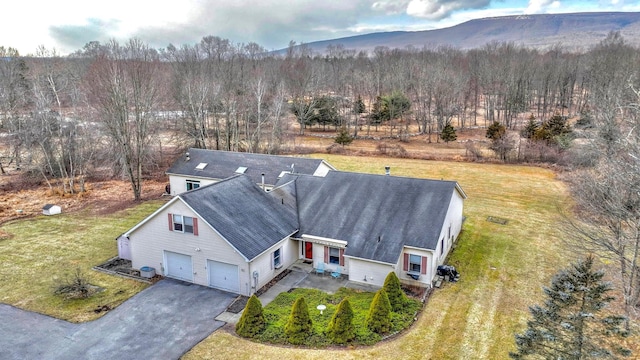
x,y
578,31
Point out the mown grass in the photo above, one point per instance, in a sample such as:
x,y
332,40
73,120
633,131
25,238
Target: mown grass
x,y
43,250
503,267
277,314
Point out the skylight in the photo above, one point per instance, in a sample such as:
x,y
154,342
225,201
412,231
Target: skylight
x,y
282,174
201,166
241,169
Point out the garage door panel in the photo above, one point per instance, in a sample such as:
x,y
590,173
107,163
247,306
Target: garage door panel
x,y
178,266
223,276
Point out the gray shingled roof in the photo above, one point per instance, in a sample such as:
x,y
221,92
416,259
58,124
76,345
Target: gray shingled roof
x,y
249,218
376,214
223,164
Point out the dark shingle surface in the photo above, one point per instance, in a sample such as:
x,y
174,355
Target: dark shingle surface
x,y
249,218
223,164
362,208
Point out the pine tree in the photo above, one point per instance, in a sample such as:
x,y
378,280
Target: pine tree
x,y
448,133
299,325
252,321
396,296
496,131
531,128
340,329
570,325
379,317
343,137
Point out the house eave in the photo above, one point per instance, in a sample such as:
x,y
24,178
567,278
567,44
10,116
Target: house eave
x,y
324,241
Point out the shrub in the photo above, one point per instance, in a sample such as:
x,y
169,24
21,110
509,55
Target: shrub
x,y
397,298
340,329
75,286
379,317
252,321
299,326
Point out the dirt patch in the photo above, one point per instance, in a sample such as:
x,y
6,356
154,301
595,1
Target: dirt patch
x,y
101,197
238,304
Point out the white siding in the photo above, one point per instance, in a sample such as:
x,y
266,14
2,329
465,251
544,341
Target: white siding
x,y
322,170
148,242
263,263
179,183
375,272
425,279
453,220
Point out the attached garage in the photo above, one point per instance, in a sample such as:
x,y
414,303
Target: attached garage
x,y
223,276
178,266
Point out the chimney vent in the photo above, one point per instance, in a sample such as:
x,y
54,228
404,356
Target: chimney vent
x,y
187,157
387,170
262,181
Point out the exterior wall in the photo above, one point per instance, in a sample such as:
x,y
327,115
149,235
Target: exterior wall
x,y
453,220
322,170
318,257
375,273
425,280
148,243
179,183
263,264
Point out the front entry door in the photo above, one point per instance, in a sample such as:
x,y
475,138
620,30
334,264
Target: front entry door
x,y
308,250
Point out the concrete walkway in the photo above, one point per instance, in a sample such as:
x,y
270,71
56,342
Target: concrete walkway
x,y
163,321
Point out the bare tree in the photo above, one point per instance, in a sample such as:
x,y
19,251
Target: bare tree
x,y
124,85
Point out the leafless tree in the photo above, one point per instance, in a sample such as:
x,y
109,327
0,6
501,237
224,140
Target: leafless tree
x,y
124,86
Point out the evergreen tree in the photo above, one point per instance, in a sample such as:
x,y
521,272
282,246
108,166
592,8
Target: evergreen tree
x,y
496,131
299,325
554,131
396,296
340,329
531,128
570,325
358,106
379,317
343,138
252,321
448,133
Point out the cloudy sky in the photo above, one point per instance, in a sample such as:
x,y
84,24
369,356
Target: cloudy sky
x,y
66,25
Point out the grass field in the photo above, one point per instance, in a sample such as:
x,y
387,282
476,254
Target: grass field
x,y
503,267
41,250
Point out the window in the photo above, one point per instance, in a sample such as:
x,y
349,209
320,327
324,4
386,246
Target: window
x,y
334,256
415,263
277,262
183,223
441,246
201,166
192,184
241,169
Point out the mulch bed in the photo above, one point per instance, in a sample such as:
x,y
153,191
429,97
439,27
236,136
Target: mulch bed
x,y
238,304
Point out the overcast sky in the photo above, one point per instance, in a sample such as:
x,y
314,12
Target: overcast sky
x,y
66,25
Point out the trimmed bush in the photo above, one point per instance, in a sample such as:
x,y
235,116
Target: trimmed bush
x,y
379,317
299,326
252,321
397,298
340,329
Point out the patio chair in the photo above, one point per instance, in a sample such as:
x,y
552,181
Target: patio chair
x,y
320,269
337,272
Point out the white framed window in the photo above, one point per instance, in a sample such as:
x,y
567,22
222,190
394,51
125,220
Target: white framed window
x,y
441,246
192,184
277,258
415,263
334,256
183,223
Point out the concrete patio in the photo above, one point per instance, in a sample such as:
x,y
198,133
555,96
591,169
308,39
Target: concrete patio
x,y
302,275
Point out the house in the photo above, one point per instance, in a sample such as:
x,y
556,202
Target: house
x,y
50,209
233,236
199,167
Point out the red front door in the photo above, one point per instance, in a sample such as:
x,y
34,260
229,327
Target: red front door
x,y
308,250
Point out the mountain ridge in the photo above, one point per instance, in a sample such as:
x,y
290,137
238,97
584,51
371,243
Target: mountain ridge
x,y
575,31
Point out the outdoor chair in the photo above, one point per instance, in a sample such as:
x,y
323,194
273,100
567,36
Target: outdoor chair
x,y
336,273
320,269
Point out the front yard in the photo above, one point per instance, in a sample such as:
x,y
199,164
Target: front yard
x,y
40,251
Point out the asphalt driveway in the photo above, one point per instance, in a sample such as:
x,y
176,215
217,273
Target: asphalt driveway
x,y
162,322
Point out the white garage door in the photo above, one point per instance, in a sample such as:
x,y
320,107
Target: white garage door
x,y
178,266
223,276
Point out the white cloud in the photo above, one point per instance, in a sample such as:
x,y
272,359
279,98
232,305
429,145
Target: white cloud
x,y
440,9
541,6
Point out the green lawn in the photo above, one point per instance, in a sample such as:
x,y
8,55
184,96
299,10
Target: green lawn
x,y
503,267
42,250
277,314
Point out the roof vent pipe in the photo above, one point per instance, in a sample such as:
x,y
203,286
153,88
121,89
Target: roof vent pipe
x,y
187,158
387,170
293,168
262,181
